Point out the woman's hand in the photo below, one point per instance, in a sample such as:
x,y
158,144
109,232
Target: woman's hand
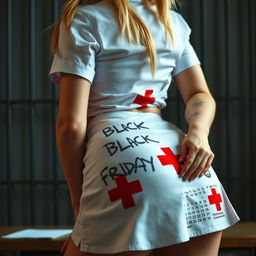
x,y
195,154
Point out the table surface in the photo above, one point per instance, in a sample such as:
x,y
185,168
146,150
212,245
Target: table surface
x,y
242,234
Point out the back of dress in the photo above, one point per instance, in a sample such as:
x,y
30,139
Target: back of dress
x,y
133,197
120,72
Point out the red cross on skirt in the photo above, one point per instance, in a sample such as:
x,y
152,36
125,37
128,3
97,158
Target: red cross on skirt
x,y
170,158
146,99
124,191
215,199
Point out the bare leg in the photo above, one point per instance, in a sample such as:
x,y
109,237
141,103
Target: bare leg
x,y
197,246
73,250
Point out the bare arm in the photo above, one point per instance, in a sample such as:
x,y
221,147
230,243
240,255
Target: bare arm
x,y
70,132
199,114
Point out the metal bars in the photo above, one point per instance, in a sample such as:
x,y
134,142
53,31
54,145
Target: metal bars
x,y
252,50
32,86
8,106
204,25
228,104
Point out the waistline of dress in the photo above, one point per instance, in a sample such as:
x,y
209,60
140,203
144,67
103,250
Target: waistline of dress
x,y
123,115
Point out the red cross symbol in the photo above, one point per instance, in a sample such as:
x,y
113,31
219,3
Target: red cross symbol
x,y
170,158
146,99
124,191
215,199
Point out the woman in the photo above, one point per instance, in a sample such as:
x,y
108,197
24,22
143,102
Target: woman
x,y
137,183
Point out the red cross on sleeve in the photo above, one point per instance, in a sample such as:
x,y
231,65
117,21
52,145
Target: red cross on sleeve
x,y
146,99
169,158
124,191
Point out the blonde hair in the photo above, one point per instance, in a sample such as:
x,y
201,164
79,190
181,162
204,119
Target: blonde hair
x,y
129,21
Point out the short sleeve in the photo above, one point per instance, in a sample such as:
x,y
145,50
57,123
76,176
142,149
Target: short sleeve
x,y
77,50
188,56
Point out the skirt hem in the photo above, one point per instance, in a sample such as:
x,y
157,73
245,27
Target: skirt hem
x,y
148,246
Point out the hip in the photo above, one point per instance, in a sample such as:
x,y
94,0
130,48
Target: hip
x,y
132,144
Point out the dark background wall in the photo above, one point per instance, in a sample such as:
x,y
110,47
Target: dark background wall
x,y
32,186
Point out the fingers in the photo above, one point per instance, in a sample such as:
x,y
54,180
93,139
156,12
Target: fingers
x,y
208,164
201,167
183,152
197,163
193,161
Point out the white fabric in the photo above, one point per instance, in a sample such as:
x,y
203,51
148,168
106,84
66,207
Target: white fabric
x,y
119,71
142,149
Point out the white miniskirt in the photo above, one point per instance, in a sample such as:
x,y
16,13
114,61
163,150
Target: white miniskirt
x,y
133,197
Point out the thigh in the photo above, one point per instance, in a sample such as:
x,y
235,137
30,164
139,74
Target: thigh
x,y
73,250
197,246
